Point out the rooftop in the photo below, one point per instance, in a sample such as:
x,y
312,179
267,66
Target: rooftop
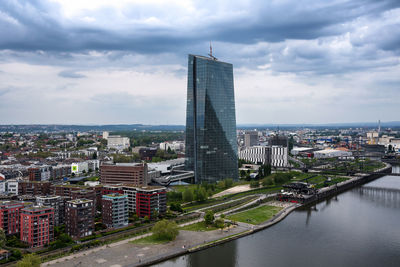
x,y
80,201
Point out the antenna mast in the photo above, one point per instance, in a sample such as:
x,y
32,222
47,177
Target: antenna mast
x,y
210,54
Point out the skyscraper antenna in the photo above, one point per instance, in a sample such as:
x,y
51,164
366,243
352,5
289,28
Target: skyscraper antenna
x,y
210,54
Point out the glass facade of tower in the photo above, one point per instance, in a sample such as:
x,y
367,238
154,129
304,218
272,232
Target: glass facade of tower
x,y
211,146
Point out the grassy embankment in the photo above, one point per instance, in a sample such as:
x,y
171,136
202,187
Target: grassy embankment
x,y
148,240
256,215
200,226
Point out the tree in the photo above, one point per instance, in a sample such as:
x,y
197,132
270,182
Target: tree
x,y
228,183
209,217
3,238
187,195
201,194
267,170
165,230
242,173
29,260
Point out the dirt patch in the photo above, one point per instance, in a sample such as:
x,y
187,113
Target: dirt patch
x,y
233,190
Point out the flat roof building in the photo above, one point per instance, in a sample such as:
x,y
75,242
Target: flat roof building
x,y
55,202
151,200
115,210
37,226
79,219
130,173
10,216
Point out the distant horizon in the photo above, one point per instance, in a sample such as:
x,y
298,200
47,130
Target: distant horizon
x,y
183,125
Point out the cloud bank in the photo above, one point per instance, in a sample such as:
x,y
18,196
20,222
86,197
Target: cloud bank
x,y
67,61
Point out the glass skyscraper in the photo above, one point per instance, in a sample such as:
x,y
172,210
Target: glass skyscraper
x,y
211,146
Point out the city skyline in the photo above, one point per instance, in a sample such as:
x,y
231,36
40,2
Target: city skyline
x,y
74,62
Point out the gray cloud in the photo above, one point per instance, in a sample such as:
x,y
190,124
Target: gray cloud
x,y
307,41
70,74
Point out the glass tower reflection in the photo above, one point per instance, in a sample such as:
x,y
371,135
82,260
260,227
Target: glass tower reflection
x,y
211,147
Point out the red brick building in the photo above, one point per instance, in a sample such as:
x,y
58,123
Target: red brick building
x,y
34,174
79,217
34,188
10,216
37,226
124,173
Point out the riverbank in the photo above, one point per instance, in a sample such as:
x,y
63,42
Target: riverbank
x,y
120,254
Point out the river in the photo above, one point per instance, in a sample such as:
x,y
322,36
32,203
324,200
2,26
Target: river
x,y
360,227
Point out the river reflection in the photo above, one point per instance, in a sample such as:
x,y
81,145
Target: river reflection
x,y
356,228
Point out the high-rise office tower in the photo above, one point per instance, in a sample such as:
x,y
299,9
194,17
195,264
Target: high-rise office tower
x,y
250,138
211,146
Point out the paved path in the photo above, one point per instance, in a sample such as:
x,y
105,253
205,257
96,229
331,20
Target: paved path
x,y
124,254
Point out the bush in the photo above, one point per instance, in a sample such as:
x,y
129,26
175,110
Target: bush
x,y
267,182
165,230
187,195
254,184
176,207
29,260
219,223
14,241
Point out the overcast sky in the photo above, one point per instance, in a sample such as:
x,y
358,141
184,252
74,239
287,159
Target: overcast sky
x,y
125,61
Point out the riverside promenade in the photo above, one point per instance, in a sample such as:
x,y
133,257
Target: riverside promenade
x,y
124,253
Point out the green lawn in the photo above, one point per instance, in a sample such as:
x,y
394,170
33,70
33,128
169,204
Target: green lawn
x,y
257,215
200,226
148,240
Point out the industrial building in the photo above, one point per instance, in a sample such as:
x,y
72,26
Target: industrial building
x,y
331,153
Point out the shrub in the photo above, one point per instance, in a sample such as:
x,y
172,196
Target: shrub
x,y
219,223
29,260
